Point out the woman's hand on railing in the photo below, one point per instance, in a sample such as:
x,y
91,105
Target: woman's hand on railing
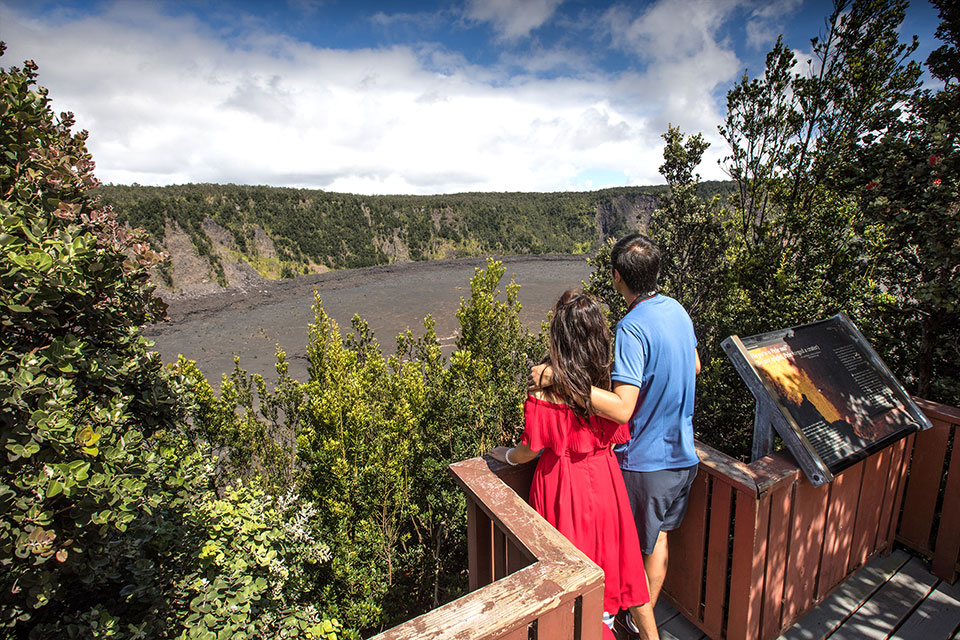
x,y
513,455
500,454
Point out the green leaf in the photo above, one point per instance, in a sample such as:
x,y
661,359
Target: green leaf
x,y
54,488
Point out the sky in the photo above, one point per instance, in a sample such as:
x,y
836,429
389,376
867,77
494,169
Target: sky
x,y
403,97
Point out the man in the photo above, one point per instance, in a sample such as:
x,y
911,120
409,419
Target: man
x,y
654,380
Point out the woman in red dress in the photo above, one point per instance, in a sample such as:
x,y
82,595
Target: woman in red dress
x,y
577,486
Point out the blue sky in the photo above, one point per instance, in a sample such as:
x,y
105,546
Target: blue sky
x,y
404,96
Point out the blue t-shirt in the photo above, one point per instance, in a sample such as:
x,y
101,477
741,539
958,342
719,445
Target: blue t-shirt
x,y
655,351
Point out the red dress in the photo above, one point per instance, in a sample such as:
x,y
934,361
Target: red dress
x,y
578,488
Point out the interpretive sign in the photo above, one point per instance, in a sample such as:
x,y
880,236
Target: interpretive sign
x,y
827,393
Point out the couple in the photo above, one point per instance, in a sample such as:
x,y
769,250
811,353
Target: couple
x,y
618,515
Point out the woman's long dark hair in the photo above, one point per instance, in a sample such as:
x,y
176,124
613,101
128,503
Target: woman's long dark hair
x,y
579,350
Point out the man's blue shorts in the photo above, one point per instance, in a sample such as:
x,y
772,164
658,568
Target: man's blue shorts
x,y
658,500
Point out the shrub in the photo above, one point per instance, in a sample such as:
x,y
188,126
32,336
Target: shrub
x,y
368,439
109,522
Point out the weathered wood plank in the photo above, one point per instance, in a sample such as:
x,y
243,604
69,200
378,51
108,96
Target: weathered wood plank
x,y
920,500
523,526
890,605
591,608
778,542
894,486
841,515
521,633
850,595
938,616
687,565
737,473
876,469
552,584
517,477
480,539
718,555
749,560
558,623
937,411
498,608
803,563
773,471
947,550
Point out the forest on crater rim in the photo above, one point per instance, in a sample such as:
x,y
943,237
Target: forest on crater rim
x,y
284,232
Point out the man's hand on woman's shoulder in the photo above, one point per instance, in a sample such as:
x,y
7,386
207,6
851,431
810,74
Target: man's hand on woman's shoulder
x,y
541,376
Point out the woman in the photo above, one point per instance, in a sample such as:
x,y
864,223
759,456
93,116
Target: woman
x,y
577,486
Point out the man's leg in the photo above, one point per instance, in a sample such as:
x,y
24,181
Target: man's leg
x,y
644,621
655,564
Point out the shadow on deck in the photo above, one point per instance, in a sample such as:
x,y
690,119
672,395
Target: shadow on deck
x,y
893,596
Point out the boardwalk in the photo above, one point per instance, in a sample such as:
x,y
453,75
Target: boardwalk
x,y
892,597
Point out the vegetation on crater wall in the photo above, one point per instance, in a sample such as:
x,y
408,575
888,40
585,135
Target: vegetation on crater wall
x,y
310,228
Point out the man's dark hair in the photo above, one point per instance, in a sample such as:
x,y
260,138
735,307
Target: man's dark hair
x,y
637,260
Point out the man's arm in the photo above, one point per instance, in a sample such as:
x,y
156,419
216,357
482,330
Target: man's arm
x,y
618,405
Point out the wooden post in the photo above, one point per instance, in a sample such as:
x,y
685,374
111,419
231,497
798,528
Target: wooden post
x,y
762,430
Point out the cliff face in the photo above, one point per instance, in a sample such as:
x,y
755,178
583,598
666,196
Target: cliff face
x,y
190,275
624,214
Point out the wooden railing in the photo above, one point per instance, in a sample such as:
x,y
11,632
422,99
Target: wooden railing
x,y
760,545
526,579
930,520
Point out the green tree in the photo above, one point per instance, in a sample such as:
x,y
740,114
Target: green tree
x,y
792,247
79,390
795,254
691,238
911,196
368,440
600,284
793,139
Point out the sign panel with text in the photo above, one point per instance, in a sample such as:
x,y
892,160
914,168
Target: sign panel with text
x,y
826,392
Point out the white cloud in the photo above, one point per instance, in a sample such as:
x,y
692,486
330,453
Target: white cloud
x,y
766,21
512,18
686,66
167,101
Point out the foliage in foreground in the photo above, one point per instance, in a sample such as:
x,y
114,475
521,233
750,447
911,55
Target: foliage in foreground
x,y
368,440
323,502
110,525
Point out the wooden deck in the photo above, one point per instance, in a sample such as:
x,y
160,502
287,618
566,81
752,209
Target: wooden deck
x,y
892,597
742,568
